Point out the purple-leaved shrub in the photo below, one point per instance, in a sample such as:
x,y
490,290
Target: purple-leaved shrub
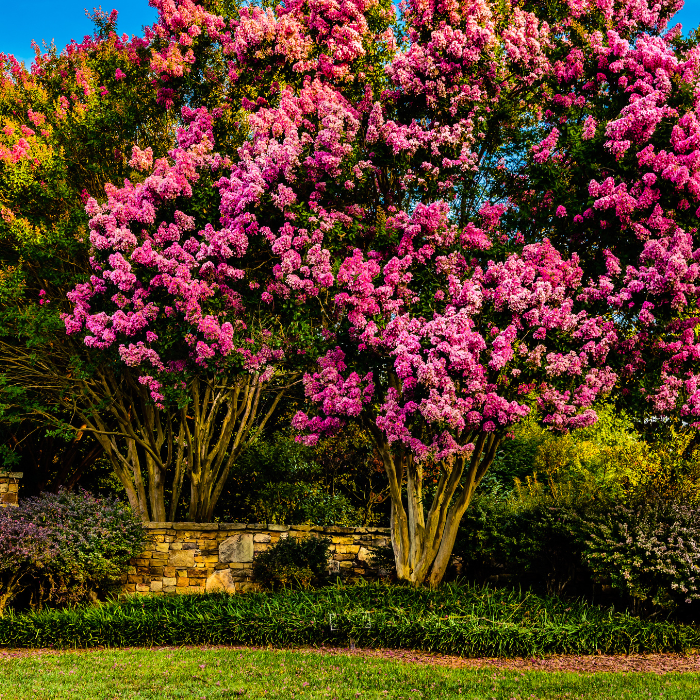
x,y
66,547
25,549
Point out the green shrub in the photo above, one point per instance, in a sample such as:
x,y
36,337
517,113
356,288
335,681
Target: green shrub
x,y
382,559
292,563
278,480
533,542
455,619
300,504
600,505
649,551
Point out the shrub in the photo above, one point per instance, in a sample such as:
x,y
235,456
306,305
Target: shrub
x,y
649,551
559,539
531,538
25,548
279,480
382,558
291,563
454,619
299,504
87,543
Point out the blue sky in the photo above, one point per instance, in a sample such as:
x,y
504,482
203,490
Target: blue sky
x,y
689,16
63,20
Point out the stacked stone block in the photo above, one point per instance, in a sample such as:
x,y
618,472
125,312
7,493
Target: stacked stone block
x,y
199,557
9,488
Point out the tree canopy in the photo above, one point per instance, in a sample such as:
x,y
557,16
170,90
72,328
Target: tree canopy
x,y
443,219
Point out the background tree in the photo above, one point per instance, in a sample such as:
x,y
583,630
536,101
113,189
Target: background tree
x,y
66,127
69,127
165,310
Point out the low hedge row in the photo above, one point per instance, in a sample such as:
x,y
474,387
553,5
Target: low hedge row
x,y
457,619
645,549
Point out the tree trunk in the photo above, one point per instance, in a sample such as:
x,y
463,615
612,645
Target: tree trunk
x,y
4,600
151,450
213,430
423,542
9,589
225,421
140,451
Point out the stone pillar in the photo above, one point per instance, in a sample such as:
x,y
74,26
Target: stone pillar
x,y
9,487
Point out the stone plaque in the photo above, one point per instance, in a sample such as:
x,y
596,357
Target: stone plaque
x,y
183,558
236,549
221,581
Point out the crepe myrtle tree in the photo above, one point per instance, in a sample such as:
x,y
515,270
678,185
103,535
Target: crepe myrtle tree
x,y
416,214
67,127
203,364
440,390
176,310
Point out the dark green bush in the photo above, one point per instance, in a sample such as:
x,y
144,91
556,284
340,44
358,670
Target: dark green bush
x,y
455,619
279,480
291,563
382,558
299,504
645,552
536,545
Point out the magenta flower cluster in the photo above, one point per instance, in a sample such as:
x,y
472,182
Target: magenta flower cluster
x,y
136,270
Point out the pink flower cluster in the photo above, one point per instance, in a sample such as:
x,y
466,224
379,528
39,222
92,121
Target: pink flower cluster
x,y
168,289
471,366
646,201
326,40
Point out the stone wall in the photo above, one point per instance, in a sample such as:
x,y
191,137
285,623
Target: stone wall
x,y
9,488
199,557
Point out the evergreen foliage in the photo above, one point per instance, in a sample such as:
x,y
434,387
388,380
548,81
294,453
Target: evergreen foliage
x,y
456,619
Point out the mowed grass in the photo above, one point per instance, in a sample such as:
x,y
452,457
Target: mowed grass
x,y
210,674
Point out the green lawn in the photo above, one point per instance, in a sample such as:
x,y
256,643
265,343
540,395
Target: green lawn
x,y
160,674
